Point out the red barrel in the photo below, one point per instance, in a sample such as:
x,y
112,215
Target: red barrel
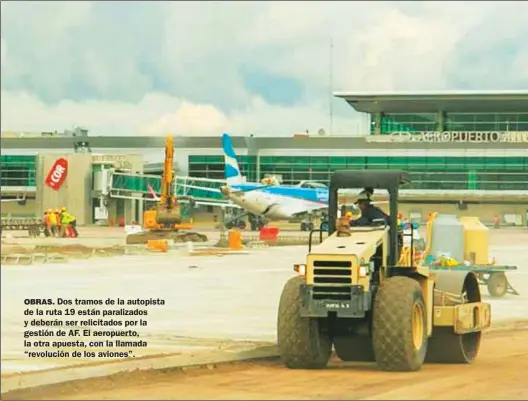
x,y
269,233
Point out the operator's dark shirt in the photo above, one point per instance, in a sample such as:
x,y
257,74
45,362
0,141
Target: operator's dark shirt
x,y
370,214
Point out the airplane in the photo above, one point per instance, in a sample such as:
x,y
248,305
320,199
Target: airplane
x,y
268,199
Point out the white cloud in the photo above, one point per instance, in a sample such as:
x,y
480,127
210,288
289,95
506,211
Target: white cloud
x,y
149,68
159,114
3,50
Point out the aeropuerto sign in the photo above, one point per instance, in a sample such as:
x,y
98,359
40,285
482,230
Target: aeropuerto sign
x,y
453,136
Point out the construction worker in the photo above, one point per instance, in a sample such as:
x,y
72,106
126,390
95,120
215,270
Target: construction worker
x,y
69,222
46,223
73,225
53,222
60,230
369,213
496,221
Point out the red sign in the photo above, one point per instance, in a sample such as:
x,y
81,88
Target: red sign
x,y
57,174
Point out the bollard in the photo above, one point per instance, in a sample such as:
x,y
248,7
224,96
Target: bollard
x,y
269,234
235,239
158,245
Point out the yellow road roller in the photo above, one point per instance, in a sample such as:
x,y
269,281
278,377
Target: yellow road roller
x,y
361,292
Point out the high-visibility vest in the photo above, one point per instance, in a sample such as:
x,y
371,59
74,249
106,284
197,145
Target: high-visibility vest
x,y
67,218
52,219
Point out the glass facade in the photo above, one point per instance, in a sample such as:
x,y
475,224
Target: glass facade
x,y
485,173
486,122
408,122
479,122
18,171
213,167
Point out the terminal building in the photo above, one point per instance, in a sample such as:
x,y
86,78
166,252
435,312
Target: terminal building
x,y
466,152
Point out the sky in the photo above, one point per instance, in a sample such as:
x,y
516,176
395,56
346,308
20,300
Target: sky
x,y
262,68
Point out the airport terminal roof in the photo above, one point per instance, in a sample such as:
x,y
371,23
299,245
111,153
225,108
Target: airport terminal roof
x,y
430,102
250,143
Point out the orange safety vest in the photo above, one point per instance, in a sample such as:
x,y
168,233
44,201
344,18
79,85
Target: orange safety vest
x,y
52,219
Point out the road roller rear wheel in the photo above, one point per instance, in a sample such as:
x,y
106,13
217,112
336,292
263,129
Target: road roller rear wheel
x,y
446,346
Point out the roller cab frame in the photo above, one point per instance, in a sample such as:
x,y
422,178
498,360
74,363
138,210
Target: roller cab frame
x,y
362,292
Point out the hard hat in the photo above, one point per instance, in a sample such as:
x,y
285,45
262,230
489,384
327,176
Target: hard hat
x,y
50,211
57,210
348,214
63,208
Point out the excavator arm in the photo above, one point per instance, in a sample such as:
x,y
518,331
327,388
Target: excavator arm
x,y
164,220
168,210
168,175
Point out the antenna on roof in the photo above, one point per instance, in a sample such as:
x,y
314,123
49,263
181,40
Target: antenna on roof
x,y
331,84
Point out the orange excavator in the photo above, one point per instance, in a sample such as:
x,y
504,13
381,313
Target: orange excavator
x,y
164,220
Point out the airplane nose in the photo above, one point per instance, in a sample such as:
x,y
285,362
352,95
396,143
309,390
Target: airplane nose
x,y
224,190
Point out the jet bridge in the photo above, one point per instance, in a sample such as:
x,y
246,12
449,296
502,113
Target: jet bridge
x,y
122,185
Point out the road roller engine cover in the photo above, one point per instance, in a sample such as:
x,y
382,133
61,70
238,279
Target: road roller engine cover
x,y
369,295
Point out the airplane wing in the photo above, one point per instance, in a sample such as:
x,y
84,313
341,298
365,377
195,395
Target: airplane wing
x,y
216,190
153,193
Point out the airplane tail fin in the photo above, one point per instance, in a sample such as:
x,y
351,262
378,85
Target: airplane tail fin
x,y
231,170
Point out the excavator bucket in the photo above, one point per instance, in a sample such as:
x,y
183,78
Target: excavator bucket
x,y
168,217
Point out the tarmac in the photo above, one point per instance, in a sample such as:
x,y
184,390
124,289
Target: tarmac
x,y
211,302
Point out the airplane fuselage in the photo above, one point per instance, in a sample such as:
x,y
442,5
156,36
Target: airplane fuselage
x,y
277,202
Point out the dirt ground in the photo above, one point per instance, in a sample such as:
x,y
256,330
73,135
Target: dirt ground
x,y
498,373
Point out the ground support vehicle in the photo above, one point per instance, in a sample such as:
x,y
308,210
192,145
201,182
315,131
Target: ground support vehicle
x,y
362,293
492,276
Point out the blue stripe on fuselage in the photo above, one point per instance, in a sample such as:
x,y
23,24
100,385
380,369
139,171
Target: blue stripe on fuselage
x,y
318,195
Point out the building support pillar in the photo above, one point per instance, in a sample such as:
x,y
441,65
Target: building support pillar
x,y
257,167
440,121
141,208
376,122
